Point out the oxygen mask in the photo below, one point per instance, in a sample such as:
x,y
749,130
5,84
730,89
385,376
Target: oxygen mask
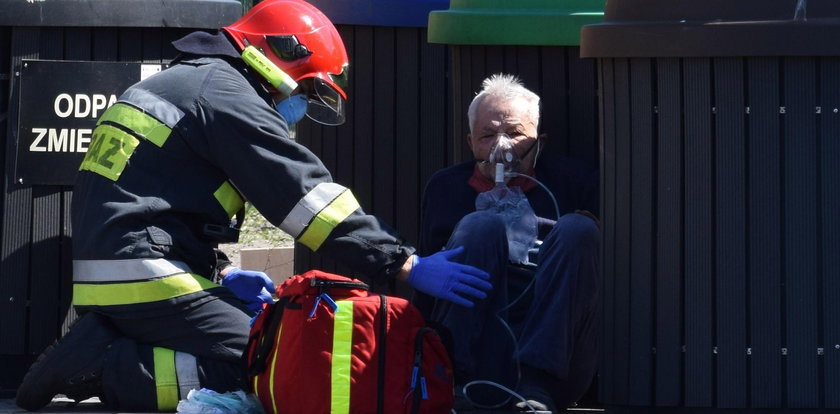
x,y
502,153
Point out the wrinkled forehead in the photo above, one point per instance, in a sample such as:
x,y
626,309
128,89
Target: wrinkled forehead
x,y
499,113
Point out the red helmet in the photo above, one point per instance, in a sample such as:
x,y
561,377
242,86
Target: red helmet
x,y
300,40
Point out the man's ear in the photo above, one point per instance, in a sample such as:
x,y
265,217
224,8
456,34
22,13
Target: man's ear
x,y
469,140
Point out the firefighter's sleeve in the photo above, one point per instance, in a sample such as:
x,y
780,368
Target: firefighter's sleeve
x,y
291,187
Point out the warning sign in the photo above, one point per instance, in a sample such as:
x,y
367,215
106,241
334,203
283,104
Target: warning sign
x,y
60,102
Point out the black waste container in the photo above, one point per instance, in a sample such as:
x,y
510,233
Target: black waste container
x,y
61,64
719,124
397,124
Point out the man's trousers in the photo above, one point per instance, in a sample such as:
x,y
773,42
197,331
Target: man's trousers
x,y
543,317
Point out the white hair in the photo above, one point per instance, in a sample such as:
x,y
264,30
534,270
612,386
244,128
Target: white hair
x,y
504,86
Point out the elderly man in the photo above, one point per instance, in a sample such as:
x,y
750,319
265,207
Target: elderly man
x,y
536,332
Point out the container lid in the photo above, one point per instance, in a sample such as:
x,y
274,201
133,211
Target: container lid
x,y
399,13
691,28
199,14
519,22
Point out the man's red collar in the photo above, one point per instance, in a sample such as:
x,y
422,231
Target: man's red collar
x,y
480,183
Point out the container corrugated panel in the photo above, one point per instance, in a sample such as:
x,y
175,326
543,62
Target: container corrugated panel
x,y
410,94
735,161
746,281
396,132
403,125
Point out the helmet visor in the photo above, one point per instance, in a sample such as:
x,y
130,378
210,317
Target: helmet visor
x,y
326,105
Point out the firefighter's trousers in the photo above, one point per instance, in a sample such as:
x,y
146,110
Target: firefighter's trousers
x,y
160,357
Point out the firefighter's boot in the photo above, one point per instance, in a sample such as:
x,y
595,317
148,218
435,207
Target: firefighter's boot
x,y
72,366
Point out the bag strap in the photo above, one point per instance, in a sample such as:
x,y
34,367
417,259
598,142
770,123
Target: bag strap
x,y
382,341
418,381
266,339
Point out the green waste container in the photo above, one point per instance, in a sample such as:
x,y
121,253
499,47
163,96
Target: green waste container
x,y
522,22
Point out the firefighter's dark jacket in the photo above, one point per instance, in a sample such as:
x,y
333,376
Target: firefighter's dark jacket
x,y
182,150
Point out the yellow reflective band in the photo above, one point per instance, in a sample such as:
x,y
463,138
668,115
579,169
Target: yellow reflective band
x,y
87,294
254,385
229,198
109,150
307,207
137,121
330,217
166,379
341,357
274,369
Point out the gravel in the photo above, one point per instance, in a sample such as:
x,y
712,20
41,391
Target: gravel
x,y
256,232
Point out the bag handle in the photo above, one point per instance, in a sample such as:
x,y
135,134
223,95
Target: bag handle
x,y
340,284
266,340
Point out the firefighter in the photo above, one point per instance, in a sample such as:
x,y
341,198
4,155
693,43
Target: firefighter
x,y
169,168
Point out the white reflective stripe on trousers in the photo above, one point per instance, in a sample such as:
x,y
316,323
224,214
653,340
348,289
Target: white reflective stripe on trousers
x,y
186,367
125,270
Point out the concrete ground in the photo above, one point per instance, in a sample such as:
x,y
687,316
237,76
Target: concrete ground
x,y
59,405
62,405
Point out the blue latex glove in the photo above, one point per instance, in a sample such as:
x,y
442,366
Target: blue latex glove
x,y
439,276
251,286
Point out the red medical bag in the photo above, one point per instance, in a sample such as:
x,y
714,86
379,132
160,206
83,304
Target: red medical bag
x,y
330,346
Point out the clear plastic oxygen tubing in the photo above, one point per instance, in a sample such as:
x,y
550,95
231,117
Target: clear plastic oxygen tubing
x,y
503,388
553,200
799,12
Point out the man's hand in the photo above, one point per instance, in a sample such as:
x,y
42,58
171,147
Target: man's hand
x,y
439,276
251,286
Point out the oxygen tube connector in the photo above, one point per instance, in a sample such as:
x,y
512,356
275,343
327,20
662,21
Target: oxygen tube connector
x,y
500,174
